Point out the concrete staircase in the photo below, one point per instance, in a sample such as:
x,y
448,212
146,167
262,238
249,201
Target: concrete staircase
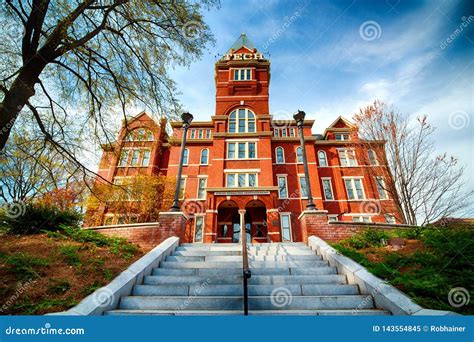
x,y
206,279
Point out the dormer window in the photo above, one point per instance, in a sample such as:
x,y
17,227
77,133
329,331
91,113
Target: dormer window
x,y
242,74
242,121
339,136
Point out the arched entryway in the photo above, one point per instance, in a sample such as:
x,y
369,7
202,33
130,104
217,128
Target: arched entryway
x,y
228,222
256,221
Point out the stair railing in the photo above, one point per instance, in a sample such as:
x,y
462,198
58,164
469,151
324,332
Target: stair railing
x,y
246,272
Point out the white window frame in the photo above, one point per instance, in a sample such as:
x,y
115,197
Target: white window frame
x,y
299,185
193,133
343,136
143,158
204,189
345,151
292,132
207,157
288,214
390,218
124,157
236,179
135,152
296,155
352,180
246,151
330,187
282,153
361,218
186,154
234,118
370,159
200,216
208,134
333,218
325,158
183,188
242,74
286,185
380,180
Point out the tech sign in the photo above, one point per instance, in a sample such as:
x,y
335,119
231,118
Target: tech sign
x,y
242,56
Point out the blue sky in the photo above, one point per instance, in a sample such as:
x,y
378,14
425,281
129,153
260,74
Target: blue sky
x,y
324,62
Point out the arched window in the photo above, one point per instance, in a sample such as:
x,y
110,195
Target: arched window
x,y
204,156
372,157
280,155
140,134
323,160
185,156
299,155
242,120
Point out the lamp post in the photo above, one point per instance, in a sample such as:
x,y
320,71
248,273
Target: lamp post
x,y
299,118
187,118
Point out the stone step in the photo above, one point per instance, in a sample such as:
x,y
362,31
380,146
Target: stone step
x,y
237,290
255,303
282,252
339,312
282,244
238,271
254,280
180,258
205,253
237,264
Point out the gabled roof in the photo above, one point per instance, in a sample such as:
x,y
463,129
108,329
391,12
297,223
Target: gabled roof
x,y
344,120
243,41
138,116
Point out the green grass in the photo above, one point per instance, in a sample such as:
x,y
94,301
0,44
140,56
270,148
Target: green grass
x,y
427,275
70,253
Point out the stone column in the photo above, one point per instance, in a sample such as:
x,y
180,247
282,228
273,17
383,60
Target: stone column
x,y
242,223
313,222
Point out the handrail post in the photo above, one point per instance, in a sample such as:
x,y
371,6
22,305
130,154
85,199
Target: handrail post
x,y
246,273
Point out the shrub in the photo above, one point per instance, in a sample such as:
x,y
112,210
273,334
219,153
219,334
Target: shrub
x,y
38,217
25,266
70,254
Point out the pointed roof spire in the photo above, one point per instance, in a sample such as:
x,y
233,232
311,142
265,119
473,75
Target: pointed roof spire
x,y
243,40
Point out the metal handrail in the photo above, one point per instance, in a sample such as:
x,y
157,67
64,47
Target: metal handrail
x,y
246,271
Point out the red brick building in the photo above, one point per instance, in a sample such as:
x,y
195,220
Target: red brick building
x,y
242,165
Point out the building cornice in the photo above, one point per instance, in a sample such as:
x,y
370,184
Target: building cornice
x,y
259,188
242,135
176,124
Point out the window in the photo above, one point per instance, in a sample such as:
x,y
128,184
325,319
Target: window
x,y
282,187
242,74
354,188
284,133
140,134
204,156
280,155
372,157
276,132
347,158
299,155
124,158
202,182
303,187
285,228
182,188
193,133
292,132
135,156
200,134
364,219
241,180
108,220
332,218
146,158
242,120
198,228
390,219
208,134
185,156
327,189
342,136
323,161
381,187
245,150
